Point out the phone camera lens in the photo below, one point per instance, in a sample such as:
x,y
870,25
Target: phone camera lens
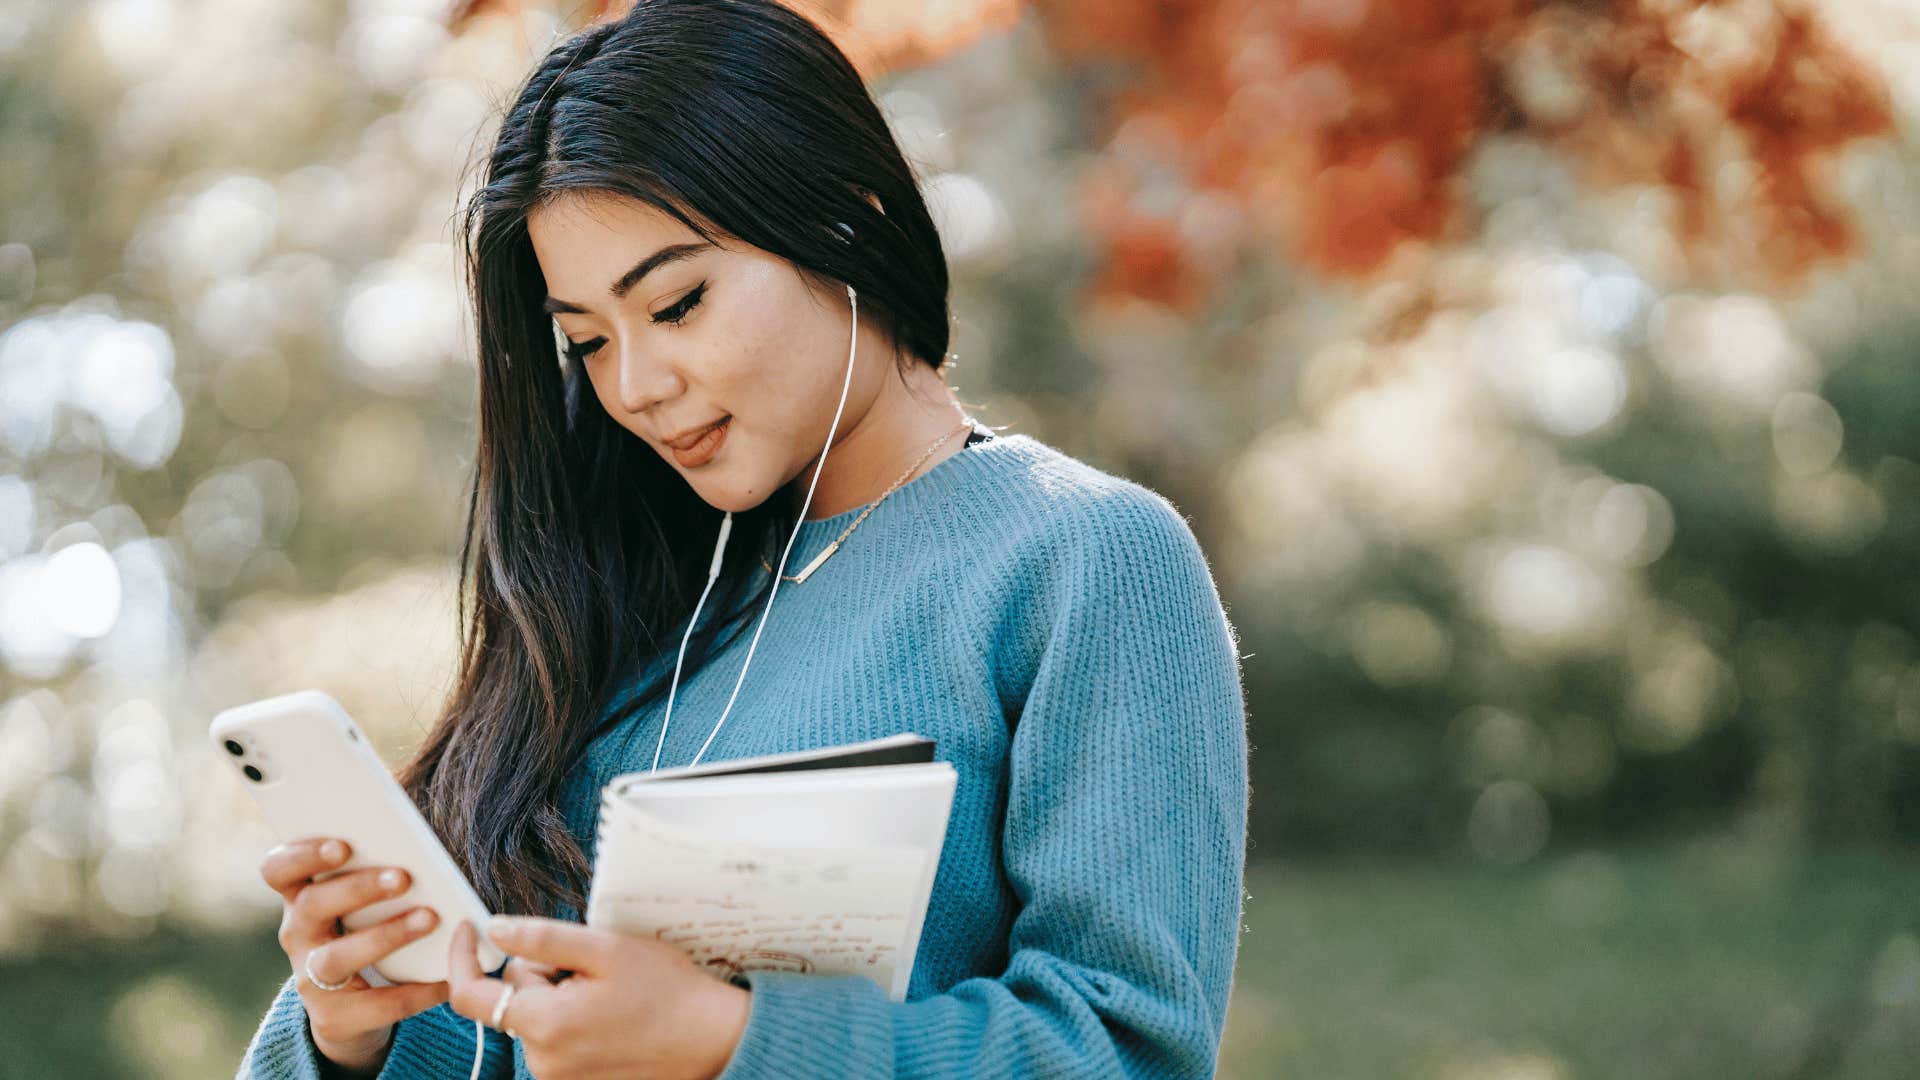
x,y
235,748
252,773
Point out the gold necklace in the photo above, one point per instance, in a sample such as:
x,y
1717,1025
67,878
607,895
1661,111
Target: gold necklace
x,y
835,546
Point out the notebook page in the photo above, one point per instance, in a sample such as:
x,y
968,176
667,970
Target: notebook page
x,y
733,905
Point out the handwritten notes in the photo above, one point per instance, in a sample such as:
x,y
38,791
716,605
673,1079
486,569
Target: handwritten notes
x,y
736,906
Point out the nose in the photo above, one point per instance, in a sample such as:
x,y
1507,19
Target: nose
x,y
644,380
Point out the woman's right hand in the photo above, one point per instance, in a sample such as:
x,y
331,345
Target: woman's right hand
x,y
351,1026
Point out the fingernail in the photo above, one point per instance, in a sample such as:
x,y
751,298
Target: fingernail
x,y
333,851
420,919
389,879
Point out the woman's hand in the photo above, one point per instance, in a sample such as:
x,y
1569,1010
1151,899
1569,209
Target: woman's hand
x,y
632,1007
351,1026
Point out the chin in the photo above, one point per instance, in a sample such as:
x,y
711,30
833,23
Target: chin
x,y
731,500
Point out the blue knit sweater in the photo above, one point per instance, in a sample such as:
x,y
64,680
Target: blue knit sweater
x,y
1056,629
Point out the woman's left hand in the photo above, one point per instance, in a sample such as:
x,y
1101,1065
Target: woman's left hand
x,y
633,1006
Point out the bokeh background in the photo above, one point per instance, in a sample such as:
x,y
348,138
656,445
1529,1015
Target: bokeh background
x,y
1542,379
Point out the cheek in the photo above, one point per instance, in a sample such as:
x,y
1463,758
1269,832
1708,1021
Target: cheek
x,y
772,345
754,377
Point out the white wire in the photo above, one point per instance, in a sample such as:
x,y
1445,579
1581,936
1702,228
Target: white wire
x,y
725,525
714,571
479,1048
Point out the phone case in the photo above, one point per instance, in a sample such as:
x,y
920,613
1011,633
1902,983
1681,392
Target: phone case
x,y
319,776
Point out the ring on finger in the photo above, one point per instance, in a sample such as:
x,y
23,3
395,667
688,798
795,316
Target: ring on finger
x,y
500,1008
315,979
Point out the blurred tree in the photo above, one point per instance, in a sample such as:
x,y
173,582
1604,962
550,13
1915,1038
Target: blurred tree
x,y
1339,129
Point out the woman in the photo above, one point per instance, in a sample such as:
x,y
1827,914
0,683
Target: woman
x,y
704,201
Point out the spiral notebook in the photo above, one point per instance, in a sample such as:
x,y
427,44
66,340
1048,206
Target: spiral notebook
x,y
818,861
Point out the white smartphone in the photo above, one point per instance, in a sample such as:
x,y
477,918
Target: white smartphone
x,y
313,773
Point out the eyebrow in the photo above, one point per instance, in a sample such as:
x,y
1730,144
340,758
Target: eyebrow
x,y
668,255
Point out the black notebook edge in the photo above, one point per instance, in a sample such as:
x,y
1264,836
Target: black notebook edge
x,y
918,752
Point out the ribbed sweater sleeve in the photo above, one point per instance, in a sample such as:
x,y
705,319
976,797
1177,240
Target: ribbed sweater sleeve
x,y
1124,840
437,1042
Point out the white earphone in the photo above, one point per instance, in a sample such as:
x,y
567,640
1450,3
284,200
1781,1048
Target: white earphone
x,y
720,549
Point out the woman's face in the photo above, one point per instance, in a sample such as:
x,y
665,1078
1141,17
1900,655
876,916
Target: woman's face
x,y
703,334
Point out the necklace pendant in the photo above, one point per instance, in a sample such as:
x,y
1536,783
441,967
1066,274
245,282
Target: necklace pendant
x,y
815,564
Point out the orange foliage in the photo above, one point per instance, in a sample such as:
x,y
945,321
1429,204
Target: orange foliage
x,y
1340,127
1336,125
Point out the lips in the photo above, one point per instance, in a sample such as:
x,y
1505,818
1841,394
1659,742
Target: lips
x,y
704,446
685,442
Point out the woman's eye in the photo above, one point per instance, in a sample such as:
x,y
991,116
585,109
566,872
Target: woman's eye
x,y
680,309
580,350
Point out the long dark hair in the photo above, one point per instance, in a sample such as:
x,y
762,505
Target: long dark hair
x,y
584,548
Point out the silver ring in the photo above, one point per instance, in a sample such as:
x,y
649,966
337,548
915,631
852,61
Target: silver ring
x,y
500,1008
315,980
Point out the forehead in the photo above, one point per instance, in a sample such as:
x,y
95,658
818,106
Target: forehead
x,y
585,222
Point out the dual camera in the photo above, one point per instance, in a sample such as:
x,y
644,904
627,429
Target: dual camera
x,y
237,749
253,772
